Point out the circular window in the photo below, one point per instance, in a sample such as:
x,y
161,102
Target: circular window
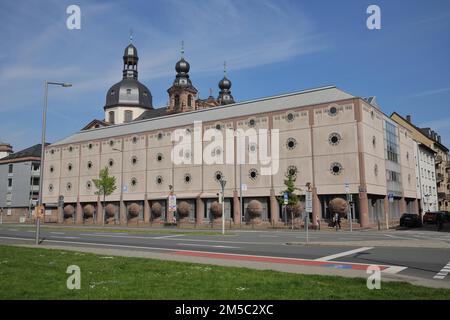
x,y
134,160
111,162
334,139
218,127
372,114
113,92
159,157
89,165
52,169
333,111
374,141
50,187
159,180
134,140
253,174
70,149
69,186
375,170
90,146
52,151
290,117
218,175
252,147
160,135
187,155
187,178
336,168
133,182
291,143
111,143
292,171
251,123
216,152
407,155
88,185
69,167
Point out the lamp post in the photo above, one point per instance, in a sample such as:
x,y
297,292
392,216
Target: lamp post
x,y
121,189
44,123
222,185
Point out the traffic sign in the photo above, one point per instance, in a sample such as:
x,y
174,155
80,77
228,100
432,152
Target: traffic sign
x,y
172,202
39,212
286,198
309,202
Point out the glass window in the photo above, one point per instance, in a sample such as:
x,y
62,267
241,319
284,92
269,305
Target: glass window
x,y
111,117
10,168
392,149
128,116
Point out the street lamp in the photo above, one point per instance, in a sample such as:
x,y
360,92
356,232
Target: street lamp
x,y
121,214
222,185
44,122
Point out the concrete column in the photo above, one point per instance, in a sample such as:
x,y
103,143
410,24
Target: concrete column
x,y
99,211
317,208
79,213
123,213
416,206
147,210
274,208
236,208
199,210
60,214
386,211
363,210
402,205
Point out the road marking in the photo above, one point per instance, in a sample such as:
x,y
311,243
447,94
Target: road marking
x,y
343,254
65,237
264,236
443,273
394,269
57,232
31,231
219,255
172,236
13,230
205,245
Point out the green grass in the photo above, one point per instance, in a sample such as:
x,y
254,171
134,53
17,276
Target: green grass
x,y
31,273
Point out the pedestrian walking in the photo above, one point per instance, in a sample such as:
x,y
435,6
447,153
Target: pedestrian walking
x,y
439,221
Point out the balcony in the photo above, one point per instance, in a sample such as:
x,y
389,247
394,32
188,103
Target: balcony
x,y
439,177
441,195
35,173
35,188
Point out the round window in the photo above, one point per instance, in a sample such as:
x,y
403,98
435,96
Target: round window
x,y
50,187
135,139
333,111
159,157
89,165
52,169
292,171
374,141
133,182
69,167
253,174
159,180
334,139
70,149
88,185
218,175
160,135
52,151
336,168
69,186
111,143
252,147
290,117
111,162
291,143
252,123
375,170
218,127
134,160
90,146
187,178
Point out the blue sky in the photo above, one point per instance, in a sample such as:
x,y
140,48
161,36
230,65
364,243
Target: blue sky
x,y
271,47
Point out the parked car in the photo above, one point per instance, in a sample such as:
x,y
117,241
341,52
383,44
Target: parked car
x,y
429,218
446,216
410,220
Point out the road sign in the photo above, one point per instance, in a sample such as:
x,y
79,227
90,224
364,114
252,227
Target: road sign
x,y
309,205
172,202
391,197
244,187
286,198
347,188
125,188
39,212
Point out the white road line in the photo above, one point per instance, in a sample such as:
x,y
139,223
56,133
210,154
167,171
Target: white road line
x,y
31,231
205,245
443,273
394,269
172,236
343,254
264,236
13,230
65,237
57,232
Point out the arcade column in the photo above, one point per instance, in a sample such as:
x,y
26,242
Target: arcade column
x,y
147,210
200,209
99,211
79,213
386,211
236,208
402,205
123,213
274,208
363,209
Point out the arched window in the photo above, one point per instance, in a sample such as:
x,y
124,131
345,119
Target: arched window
x,y
177,101
189,101
128,116
111,117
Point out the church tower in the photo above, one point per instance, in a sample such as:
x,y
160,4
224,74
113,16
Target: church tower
x,y
225,96
127,99
182,94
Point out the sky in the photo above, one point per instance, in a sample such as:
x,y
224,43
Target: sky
x,y
271,47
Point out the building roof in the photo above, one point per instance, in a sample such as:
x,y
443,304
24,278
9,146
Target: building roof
x,y
94,122
33,152
153,113
246,108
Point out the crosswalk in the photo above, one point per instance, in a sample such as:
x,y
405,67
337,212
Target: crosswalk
x,y
443,273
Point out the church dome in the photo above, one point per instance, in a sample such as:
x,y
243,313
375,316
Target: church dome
x,y
182,66
130,51
225,84
129,92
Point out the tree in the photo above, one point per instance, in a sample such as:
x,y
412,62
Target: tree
x,y
293,198
105,185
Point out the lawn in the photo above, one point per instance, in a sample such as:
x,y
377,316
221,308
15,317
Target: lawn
x,y
31,273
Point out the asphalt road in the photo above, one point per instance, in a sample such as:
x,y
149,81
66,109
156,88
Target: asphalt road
x,y
420,261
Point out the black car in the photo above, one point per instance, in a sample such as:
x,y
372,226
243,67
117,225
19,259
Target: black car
x,y
410,220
